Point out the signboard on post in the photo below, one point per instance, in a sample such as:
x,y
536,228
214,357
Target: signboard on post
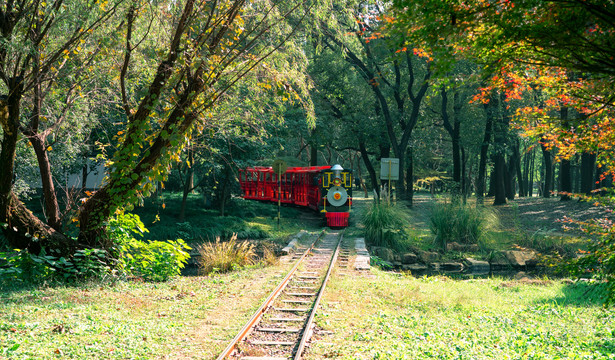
x,y
279,167
389,169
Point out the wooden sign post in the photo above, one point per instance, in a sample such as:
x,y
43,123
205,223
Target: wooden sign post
x,y
279,168
389,170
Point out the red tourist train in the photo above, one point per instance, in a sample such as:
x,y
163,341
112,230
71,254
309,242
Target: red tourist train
x,y
327,189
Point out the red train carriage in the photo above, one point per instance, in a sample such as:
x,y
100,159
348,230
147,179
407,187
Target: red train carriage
x,y
327,189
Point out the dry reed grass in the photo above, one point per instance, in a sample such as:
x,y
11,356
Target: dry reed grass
x,y
224,256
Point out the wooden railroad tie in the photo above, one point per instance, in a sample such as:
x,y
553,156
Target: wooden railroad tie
x,y
280,330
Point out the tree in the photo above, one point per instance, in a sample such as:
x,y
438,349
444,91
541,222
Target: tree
x,y
42,42
398,78
167,87
567,36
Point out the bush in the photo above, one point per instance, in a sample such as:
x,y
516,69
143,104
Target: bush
x,y
21,266
459,223
225,256
384,225
598,261
151,260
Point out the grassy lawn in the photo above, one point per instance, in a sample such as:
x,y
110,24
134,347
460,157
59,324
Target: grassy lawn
x,y
390,316
189,317
248,219
375,315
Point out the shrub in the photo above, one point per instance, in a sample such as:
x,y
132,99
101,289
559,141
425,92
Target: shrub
x,y
151,260
224,256
460,223
22,266
598,261
384,224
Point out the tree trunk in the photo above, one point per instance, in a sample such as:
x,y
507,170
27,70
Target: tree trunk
x,y
588,164
186,190
188,185
576,175
410,176
499,175
509,179
9,119
565,170
491,189
84,176
500,145
313,155
464,186
453,128
526,173
369,167
547,187
23,230
400,187
484,149
565,176
530,183
52,209
225,189
517,161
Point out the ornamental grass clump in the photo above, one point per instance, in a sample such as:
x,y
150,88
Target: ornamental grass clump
x,y
460,223
224,256
384,224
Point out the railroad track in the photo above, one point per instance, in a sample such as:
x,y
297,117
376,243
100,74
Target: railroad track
x,y
281,327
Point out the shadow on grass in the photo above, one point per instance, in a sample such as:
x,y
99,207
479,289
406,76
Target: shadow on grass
x,y
247,218
36,293
583,294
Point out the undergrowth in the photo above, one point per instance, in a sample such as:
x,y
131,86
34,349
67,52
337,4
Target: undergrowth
x,y
130,257
385,224
455,222
224,256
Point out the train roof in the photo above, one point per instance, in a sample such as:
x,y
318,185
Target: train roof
x,y
296,169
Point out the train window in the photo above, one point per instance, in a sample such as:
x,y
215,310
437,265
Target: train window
x,y
347,179
326,179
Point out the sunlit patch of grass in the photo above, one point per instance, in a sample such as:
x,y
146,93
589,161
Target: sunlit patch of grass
x,y
188,317
391,316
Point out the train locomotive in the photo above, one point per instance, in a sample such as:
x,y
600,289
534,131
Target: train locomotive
x,y
326,189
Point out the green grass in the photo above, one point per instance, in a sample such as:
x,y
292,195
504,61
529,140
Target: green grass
x,y
389,316
188,317
247,218
464,224
377,315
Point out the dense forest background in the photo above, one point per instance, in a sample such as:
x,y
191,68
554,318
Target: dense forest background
x,y
476,98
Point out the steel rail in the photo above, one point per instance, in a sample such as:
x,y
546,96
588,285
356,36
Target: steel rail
x,y
307,333
257,315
